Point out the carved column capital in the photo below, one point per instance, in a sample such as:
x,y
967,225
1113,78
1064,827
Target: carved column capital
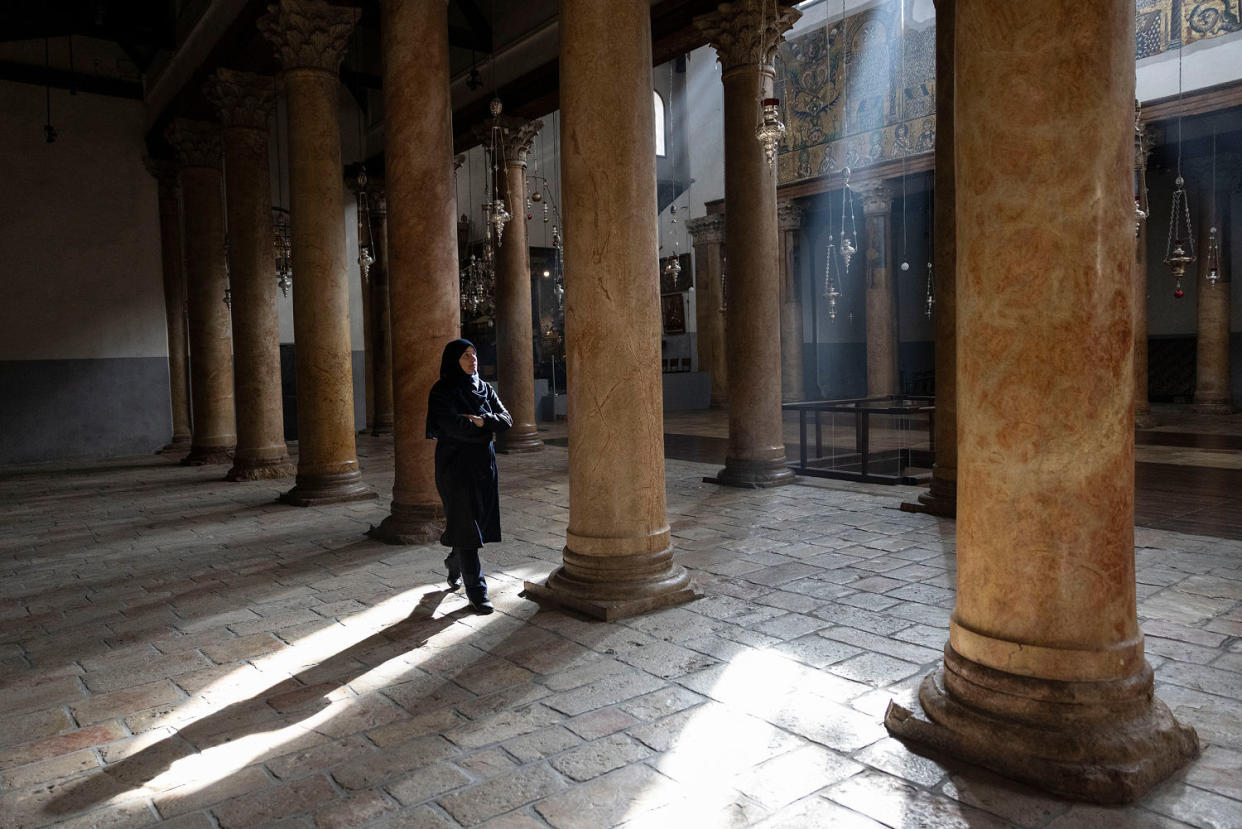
x,y
196,143
789,215
516,137
706,229
746,32
242,99
877,197
308,34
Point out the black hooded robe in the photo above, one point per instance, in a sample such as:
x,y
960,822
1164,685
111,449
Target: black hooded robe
x,y
465,460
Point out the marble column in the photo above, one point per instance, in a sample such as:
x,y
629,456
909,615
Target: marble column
x,y
379,378
1044,675
422,249
1143,143
165,173
618,559
244,103
789,220
877,204
1212,394
745,35
197,144
707,233
309,37
941,496
514,326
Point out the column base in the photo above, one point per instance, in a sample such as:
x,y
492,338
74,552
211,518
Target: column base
x,y
382,426
261,469
177,446
940,499
317,490
1216,407
614,587
511,444
408,524
1101,742
208,455
753,474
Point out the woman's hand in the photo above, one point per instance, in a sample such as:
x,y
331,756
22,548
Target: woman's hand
x,y
475,419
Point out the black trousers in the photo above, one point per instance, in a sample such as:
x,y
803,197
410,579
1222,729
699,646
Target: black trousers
x,y
466,560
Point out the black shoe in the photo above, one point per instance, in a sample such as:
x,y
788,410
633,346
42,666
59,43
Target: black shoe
x,y
454,573
482,606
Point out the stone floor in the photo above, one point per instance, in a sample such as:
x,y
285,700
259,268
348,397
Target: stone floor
x,y
182,651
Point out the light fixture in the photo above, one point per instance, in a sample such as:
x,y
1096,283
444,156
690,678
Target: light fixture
x,y
770,130
1179,250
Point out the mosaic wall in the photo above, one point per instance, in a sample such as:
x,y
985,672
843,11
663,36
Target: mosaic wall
x,y
1162,25
888,83
880,106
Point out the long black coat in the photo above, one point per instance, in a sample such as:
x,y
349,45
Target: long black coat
x,y
466,463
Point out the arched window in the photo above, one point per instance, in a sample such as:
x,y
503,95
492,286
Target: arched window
x,y
659,123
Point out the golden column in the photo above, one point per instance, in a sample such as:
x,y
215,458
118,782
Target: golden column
x,y
709,305
310,37
197,144
165,173
1212,394
877,201
941,497
244,103
1143,144
618,559
379,343
514,326
1044,676
745,35
789,219
422,249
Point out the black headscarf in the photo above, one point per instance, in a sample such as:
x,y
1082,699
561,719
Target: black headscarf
x,y
468,388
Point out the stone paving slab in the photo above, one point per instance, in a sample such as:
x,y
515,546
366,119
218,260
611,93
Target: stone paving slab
x,y
184,652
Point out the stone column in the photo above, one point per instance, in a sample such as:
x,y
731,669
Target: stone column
x,y
379,380
1212,394
617,559
877,201
709,306
310,37
171,259
197,144
422,249
514,327
1143,143
1044,676
789,219
357,186
745,35
941,497
244,102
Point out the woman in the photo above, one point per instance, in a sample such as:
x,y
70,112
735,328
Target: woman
x,y
463,414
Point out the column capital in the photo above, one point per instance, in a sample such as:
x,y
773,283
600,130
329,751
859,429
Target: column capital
x,y
706,229
242,99
196,143
877,196
308,34
164,170
515,139
789,214
744,33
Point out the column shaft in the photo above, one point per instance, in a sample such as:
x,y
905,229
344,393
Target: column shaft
x,y
1212,348
380,377
211,347
244,102
789,217
174,304
514,331
422,249
708,234
310,37
941,497
881,310
1044,675
367,290
617,559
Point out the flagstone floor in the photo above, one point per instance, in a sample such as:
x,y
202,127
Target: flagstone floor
x,y
181,651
